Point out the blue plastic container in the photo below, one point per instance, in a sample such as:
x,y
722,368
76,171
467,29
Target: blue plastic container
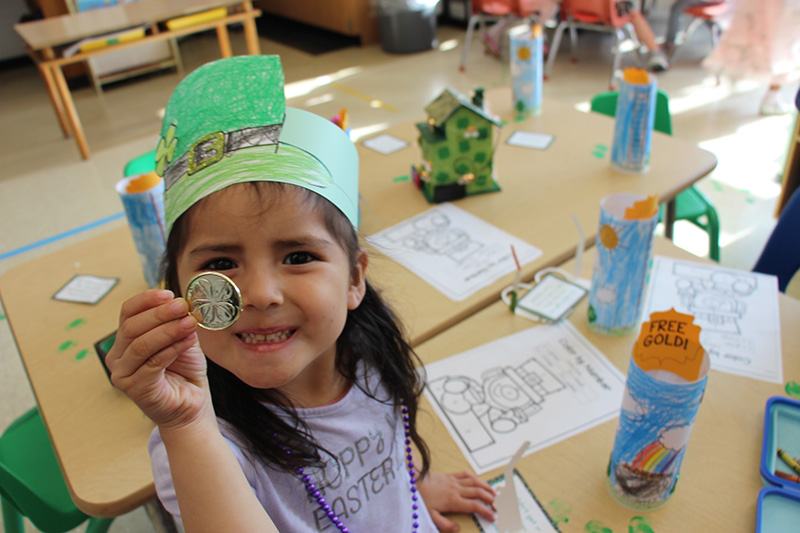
x,y
779,502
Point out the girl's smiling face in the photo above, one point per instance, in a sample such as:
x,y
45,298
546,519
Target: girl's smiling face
x,y
297,284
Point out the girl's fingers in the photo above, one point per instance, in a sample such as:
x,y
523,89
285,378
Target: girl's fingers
x,y
482,510
144,301
156,348
477,493
154,365
140,315
468,478
150,323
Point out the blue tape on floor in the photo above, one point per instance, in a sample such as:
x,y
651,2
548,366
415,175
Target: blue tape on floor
x,y
60,236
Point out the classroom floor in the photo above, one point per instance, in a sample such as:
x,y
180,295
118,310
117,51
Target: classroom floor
x,y
51,198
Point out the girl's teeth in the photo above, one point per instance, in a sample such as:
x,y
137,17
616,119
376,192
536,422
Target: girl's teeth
x,y
252,338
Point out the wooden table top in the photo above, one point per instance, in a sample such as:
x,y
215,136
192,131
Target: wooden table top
x,y
719,480
69,28
541,191
100,436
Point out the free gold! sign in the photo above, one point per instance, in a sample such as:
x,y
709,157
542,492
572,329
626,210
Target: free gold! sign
x,y
670,341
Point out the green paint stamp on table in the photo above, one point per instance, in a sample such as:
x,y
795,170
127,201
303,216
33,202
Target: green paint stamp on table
x,y
75,323
559,511
599,151
66,345
640,524
793,389
596,526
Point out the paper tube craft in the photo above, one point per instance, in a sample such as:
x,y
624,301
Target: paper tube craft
x,y
624,246
526,50
143,199
633,125
666,379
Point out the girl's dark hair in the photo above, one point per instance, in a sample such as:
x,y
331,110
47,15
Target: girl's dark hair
x,y
371,335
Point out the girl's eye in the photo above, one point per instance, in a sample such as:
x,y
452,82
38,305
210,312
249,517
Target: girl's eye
x,y
220,263
299,258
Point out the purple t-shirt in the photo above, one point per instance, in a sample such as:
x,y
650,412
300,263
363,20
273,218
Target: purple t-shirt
x,y
368,487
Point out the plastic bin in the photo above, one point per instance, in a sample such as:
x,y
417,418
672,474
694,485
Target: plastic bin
x,y
406,28
779,501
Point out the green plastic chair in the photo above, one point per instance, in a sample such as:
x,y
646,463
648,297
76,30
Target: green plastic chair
x,y
140,165
31,484
690,204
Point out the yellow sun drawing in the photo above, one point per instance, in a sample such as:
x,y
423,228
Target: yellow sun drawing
x,y
524,53
608,236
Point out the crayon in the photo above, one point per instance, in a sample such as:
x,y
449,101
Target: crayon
x,y
789,460
788,477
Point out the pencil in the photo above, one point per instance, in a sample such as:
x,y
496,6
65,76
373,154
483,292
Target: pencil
x,y
514,293
789,460
788,477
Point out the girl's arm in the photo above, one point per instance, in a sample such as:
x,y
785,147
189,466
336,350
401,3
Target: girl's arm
x,y
157,361
213,493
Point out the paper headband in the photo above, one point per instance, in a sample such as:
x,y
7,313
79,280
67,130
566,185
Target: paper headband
x,y
227,122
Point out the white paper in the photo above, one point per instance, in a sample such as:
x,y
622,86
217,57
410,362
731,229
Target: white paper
x,y
73,49
85,289
552,298
385,144
509,517
534,518
453,250
529,139
737,311
543,384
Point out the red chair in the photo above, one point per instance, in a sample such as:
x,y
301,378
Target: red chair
x,y
593,15
704,15
484,11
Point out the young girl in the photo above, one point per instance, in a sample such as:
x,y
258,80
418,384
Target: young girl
x,y
299,416
761,43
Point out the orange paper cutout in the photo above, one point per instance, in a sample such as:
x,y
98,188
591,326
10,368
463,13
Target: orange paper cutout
x,y
143,183
636,76
642,209
670,341
344,119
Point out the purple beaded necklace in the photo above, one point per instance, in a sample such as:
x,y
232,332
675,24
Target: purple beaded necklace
x,y
308,482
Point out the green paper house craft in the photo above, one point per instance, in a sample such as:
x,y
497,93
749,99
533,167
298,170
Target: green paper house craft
x,y
457,148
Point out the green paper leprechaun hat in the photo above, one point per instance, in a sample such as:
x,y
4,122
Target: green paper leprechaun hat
x,y
227,122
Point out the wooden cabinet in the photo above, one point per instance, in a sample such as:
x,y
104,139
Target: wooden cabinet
x,y
349,17
53,8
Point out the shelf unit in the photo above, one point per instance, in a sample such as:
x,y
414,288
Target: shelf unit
x,y
355,18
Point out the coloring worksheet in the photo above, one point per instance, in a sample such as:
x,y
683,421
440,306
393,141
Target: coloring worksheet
x,y
543,384
737,311
453,250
